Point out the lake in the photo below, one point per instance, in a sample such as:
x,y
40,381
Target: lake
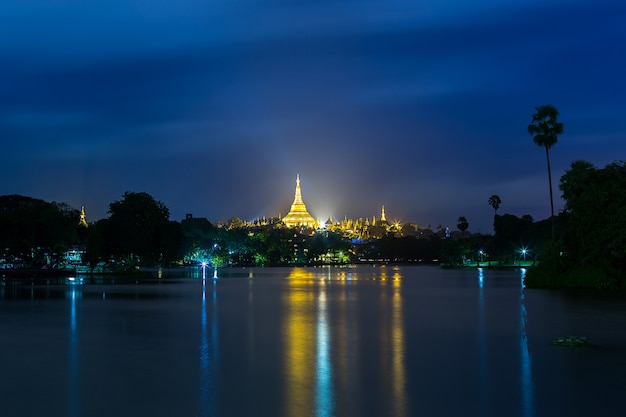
x,y
356,341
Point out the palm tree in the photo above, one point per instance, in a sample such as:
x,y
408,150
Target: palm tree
x,y
494,201
545,129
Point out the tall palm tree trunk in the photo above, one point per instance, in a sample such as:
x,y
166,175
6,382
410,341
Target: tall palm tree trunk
x,y
550,185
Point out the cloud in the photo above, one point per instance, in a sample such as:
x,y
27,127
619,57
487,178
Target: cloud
x,y
420,106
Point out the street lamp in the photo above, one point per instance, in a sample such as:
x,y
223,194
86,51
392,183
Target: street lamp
x,y
523,251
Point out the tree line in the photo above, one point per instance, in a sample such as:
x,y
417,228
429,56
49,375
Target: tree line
x,y
589,248
583,246
138,232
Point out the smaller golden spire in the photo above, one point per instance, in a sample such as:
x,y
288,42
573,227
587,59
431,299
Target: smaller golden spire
x,y
83,218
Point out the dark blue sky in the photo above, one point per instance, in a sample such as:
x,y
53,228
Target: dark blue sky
x,y
213,107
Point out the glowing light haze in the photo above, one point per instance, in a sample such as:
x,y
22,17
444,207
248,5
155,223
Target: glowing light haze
x,y
213,107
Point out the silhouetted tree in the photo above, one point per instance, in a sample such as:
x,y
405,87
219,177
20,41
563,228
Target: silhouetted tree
x,y
591,251
512,233
98,243
545,130
595,236
197,233
30,227
462,224
276,246
139,226
494,201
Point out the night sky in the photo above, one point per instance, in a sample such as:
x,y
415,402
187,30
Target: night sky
x,y
213,107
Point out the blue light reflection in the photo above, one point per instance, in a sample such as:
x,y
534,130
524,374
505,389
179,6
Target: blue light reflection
x,y
74,295
207,404
526,373
324,373
482,346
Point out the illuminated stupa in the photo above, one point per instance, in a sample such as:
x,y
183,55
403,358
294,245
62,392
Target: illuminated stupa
x,y
298,215
383,219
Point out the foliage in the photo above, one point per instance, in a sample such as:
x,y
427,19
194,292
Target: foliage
x,y
456,252
282,246
514,233
468,251
462,224
31,228
592,251
138,232
198,237
494,201
545,127
402,249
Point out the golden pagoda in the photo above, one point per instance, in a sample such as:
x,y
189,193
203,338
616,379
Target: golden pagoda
x,y
298,215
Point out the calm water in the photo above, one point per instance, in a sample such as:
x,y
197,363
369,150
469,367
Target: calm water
x,y
363,341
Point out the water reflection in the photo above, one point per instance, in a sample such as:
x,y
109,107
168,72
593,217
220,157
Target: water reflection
x,y
323,354
300,344
324,371
483,370
346,336
397,338
527,386
392,360
208,352
74,295
310,341
526,377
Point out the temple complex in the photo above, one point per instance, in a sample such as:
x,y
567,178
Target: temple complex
x,y
362,228
298,216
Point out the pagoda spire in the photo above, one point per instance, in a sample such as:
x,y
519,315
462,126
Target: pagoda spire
x,y
83,217
298,215
382,216
298,197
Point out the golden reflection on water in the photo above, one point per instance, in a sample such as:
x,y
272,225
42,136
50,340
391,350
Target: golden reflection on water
x,y
300,340
397,345
392,348
323,358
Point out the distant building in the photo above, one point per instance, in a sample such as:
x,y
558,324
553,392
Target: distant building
x,y
298,215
